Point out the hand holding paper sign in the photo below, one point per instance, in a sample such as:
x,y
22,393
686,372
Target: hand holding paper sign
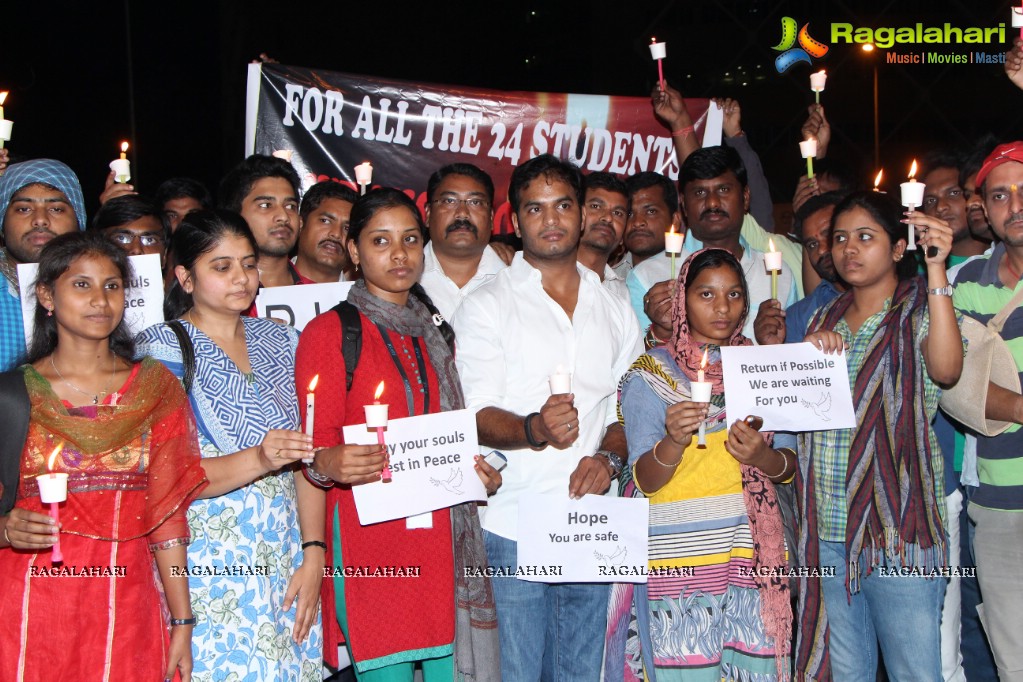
x,y
826,341
351,464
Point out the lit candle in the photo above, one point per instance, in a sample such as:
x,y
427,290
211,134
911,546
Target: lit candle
x,y
53,491
700,391
364,175
122,166
808,148
658,51
376,418
560,381
877,181
673,242
817,81
912,196
772,261
283,154
5,125
1017,19
310,411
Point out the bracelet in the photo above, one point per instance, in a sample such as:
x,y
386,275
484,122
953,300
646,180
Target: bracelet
x,y
683,133
530,438
784,466
666,466
322,479
314,543
7,537
183,621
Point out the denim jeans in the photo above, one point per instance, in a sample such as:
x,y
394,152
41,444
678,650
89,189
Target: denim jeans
x,y
549,632
902,613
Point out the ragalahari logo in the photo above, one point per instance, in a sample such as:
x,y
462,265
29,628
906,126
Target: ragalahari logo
x,y
808,50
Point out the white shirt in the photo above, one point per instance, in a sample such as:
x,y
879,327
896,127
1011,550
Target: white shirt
x,y
615,284
656,268
758,281
624,266
511,338
442,289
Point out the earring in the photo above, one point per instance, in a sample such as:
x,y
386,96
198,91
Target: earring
x,y
356,267
49,312
898,258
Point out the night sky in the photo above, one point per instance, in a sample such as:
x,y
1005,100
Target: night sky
x,y
171,75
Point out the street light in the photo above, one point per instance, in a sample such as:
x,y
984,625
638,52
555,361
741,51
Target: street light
x,y
869,47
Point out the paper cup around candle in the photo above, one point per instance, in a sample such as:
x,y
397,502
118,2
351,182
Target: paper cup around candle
x,y
673,242
808,148
817,81
122,169
772,260
52,488
364,173
660,50
701,391
5,129
912,193
284,154
376,416
560,383
1017,17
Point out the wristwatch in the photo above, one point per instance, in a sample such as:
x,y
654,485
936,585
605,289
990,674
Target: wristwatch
x,y
943,291
614,460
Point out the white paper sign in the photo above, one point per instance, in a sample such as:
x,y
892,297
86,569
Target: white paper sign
x,y
431,466
143,299
793,386
715,123
298,304
596,539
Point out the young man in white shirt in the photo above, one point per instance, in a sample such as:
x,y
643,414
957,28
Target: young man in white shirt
x,y
546,310
605,210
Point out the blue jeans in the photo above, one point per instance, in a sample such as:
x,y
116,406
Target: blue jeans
x,y
902,613
549,632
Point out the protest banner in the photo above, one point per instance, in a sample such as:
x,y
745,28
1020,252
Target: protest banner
x,y
595,539
793,386
332,122
143,296
298,304
431,464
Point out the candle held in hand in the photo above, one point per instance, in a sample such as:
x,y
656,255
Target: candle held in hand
x,y
912,197
772,261
310,411
560,381
673,242
121,166
53,491
658,51
376,418
700,392
808,149
817,81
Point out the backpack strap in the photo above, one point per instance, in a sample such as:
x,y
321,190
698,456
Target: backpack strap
x,y
15,409
351,344
187,353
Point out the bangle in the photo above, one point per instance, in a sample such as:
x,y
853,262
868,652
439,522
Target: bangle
x,y
183,621
322,479
784,466
314,543
683,133
7,537
530,438
667,466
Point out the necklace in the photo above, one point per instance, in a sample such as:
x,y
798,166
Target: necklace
x,y
95,396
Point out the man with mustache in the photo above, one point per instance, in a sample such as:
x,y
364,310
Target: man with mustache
x,y
460,217
39,200
812,224
983,287
264,190
944,198
605,210
324,217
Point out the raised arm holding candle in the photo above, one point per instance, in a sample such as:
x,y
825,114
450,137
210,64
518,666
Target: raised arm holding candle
x,y
110,452
912,197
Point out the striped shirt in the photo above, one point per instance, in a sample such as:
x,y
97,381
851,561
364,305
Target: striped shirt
x,y
980,294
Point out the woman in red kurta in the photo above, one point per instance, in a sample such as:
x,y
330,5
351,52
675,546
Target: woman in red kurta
x,y
434,613
124,434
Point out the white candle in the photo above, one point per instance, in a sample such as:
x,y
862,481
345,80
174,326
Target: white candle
x,y
817,81
52,487
1017,17
808,148
912,197
658,50
310,411
560,381
772,259
5,125
701,390
121,166
364,175
284,154
673,241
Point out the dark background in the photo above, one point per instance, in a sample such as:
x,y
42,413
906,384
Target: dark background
x,y
171,76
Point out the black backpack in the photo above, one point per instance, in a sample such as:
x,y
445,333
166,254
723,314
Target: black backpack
x,y
351,344
15,409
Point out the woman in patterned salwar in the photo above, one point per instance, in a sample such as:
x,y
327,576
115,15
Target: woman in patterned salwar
x,y
124,434
873,496
716,604
257,553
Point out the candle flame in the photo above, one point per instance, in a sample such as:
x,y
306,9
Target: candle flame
x,y
379,392
877,180
912,170
3,97
124,146
770,244
703,364
652,40
312,384
53,457
822,71
672,229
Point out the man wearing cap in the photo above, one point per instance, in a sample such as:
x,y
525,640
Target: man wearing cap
x,y
39,200
983,287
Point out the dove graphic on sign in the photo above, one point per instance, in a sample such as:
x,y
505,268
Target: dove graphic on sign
x,y
821,407
619,555
453,484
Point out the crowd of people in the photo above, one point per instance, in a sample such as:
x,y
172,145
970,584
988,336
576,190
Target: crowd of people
x,y
201,516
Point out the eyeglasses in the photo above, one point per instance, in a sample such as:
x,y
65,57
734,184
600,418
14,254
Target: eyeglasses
x,y
450,203
128,238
